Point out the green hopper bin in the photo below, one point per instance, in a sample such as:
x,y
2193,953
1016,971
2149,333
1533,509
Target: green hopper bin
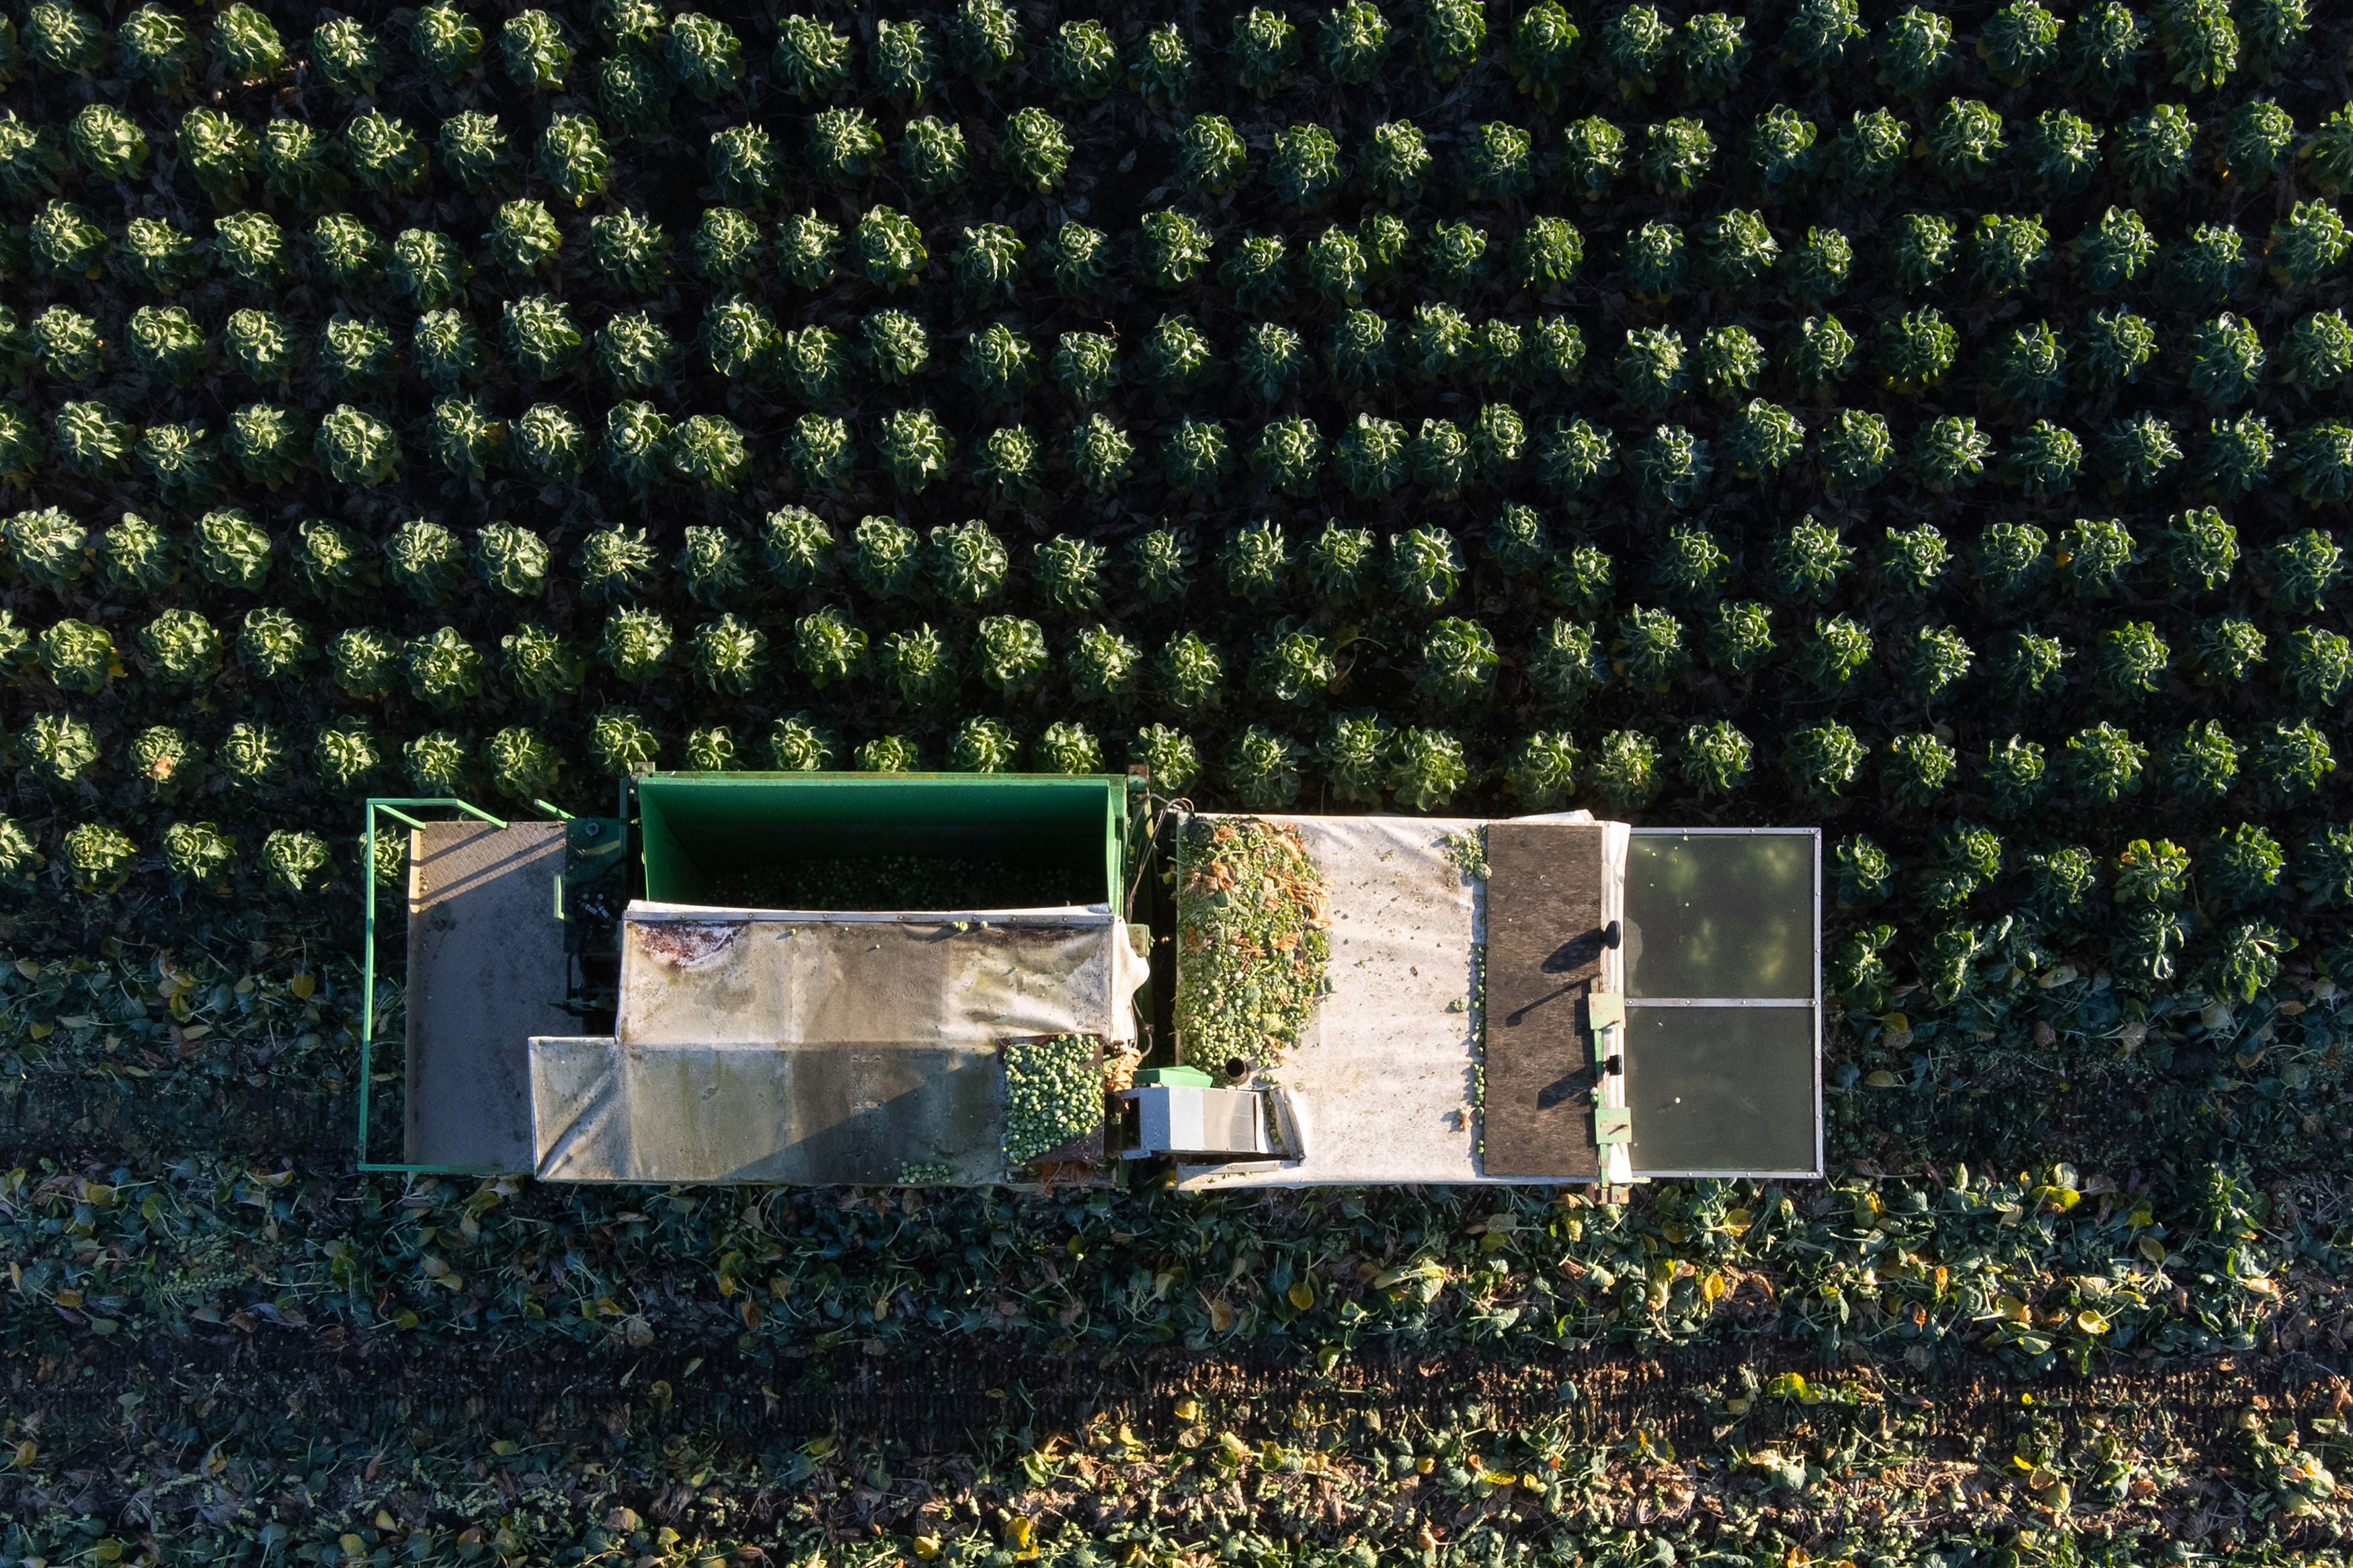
x,y
886,841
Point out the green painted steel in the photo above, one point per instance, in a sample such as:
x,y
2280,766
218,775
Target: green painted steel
x,y
704,834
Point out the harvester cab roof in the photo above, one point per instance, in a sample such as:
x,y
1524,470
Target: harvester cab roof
x,y
981,979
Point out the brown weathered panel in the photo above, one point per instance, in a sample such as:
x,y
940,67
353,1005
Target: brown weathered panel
x,y
486,966
1543,953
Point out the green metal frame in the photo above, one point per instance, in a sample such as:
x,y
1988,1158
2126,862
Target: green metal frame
x,y
397,808
1126,806
1127,815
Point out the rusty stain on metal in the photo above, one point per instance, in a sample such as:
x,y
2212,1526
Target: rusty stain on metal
x,y
685,944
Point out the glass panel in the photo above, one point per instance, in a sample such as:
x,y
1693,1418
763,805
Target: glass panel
x,y
1720,915
1721,1089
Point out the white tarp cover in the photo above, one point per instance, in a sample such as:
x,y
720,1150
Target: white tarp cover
x,y
1381,1085
695,975
819,1047
810,1115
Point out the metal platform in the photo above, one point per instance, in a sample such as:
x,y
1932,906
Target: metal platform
x,y
1717,960
481,922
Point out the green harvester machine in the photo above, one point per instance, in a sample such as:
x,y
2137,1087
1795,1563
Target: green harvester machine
x,y
882,979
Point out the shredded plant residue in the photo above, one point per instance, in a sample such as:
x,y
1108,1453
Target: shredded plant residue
x,y
1252,915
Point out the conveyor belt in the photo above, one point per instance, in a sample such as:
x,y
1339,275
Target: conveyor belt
x,y
1544,894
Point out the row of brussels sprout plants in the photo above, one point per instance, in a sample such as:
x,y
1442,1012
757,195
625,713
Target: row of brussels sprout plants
x,y
1847,418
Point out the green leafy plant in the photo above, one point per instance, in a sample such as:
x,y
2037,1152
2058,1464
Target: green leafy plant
x,y
2115,346
2136,453
2234,456
363,661
537,663
2317,351
2106,43
464,438
1651,649
572,157
2028,368
2291,761
622,742
1949,453
985,39
2308,244
2272,34
1779,152
88,440
107,142
1675,156
1623,769
1591,157
632,252
798,745
2319,462
932,151
706,58
708,450
1458,663
1921,250
66,241
2007,252
425,559
1834,652
1821,34
1963,140
812,58
357,352
1008,653
69,344
2129,662
1916,349
1870,151
475,151
884,556
540,336
1568,663
523,237
1711,50
250,247
1856,450
1636,46
536,54
2019,42
2315,667
219,153
637,445
2253,143
967,563
2104,764
2200,42
252,756
1917,769
100,858
1083,62
2062,150
1448,35
77,657
1915,50
1033,149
